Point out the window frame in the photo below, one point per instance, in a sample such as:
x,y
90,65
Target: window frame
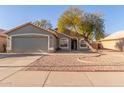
x,y
67,41
80,44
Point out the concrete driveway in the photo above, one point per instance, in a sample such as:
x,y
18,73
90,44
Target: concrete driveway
x,y
63,79
12,64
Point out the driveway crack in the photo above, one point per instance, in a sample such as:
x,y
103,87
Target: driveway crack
x,y
89,79
46,79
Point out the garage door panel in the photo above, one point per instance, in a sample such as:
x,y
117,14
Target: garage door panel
x,y
30,44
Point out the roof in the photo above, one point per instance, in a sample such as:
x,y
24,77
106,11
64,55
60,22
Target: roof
x,y
29,23
1,30
2,33
70,34
114,36
63,34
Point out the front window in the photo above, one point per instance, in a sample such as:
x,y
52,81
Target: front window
x,y
64,42
82,44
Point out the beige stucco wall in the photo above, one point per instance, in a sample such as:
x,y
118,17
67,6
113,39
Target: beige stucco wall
x,y
54,42
114,44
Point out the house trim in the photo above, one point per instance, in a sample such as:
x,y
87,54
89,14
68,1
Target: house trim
x,y
9,43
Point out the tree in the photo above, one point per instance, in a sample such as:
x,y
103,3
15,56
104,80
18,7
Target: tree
x,y
98,26
70,20
45,24
90,26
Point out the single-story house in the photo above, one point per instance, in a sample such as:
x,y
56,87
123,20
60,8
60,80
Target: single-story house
x,y
114,41
29,38
3,41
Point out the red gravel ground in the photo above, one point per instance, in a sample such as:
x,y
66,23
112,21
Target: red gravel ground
x,y
70,63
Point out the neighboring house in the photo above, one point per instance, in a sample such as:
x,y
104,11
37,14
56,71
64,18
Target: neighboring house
x,y
114,41
29,38
3,41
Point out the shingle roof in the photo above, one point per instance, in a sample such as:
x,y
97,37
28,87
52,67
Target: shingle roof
x,y
116,35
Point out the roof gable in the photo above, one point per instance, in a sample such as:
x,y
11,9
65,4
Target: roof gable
x,y
29,24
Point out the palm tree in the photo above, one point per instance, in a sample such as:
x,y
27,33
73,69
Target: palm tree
x,y
90,26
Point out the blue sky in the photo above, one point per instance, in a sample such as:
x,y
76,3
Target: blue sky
x,y
12,16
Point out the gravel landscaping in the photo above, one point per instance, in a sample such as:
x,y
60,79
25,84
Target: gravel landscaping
x,y
79,62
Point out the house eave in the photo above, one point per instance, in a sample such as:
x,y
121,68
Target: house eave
x,y
29,23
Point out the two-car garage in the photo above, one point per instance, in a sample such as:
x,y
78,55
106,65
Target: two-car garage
x,y
29,38
29,44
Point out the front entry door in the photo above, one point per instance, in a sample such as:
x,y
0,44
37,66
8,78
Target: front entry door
x,y
74,44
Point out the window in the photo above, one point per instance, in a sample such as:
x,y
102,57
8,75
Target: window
x,y
82,44
64,42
